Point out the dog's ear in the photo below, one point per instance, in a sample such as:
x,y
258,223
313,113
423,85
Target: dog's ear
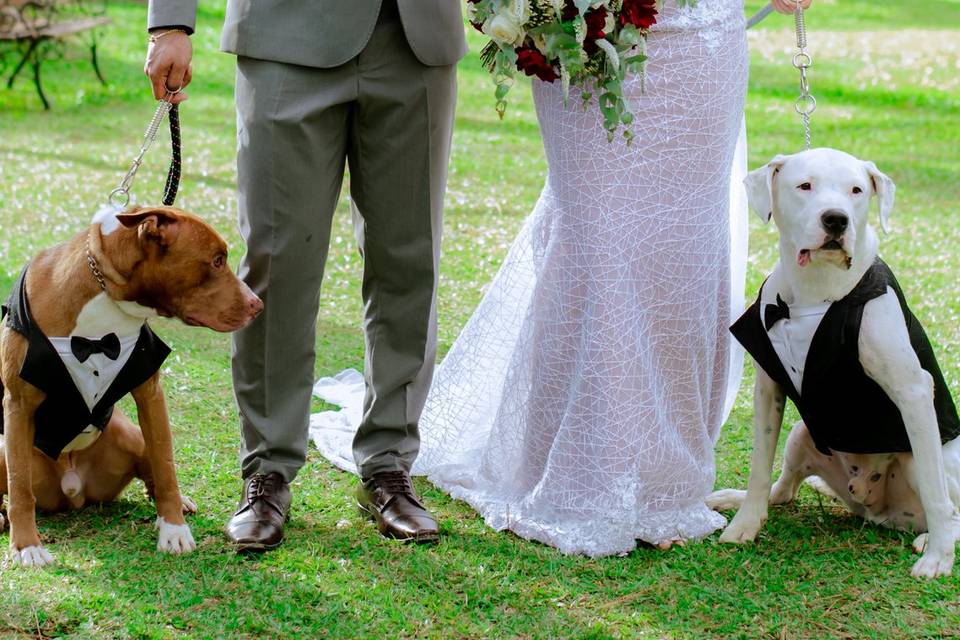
x,y
759,184
153,225
884,189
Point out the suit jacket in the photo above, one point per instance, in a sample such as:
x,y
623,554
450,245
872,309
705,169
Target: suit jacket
x,y
64,414
323,33
844,408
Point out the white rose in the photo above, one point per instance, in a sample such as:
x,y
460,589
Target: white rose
x,y
504,30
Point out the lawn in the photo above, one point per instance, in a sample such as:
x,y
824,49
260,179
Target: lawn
x,y
886,76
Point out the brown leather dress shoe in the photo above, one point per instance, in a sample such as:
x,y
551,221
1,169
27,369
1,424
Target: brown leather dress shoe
x,y
258,523
389,500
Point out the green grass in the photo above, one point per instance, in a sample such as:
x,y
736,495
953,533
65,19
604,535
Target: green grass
x,y
815,572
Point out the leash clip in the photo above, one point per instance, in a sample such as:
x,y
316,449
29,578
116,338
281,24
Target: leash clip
x,y
120,197
805,104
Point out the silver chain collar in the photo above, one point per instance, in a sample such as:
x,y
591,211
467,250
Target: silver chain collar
x,y
95,270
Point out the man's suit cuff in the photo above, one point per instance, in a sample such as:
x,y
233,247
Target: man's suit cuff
x,y
180,14
168,27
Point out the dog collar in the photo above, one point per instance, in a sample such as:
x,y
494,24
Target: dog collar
x,y
95,270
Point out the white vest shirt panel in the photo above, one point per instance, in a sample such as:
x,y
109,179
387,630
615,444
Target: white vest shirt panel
x,y
94,376
791,337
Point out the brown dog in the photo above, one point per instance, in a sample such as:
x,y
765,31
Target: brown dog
x,y
105,282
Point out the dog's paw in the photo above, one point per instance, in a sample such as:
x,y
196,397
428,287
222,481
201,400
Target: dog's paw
x,y
189,506
30,557
174,538
742,529
933,565
3,522
726,499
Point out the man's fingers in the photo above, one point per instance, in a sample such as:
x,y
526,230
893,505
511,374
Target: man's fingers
x,y
788,6
178,78
159,83
168,65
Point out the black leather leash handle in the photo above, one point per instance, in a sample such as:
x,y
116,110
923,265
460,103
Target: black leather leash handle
x,y
173,175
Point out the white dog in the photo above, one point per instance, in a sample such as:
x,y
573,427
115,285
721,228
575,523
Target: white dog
x,y
831,331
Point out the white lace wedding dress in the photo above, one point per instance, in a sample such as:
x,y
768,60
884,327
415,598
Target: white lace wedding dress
x,y
581,403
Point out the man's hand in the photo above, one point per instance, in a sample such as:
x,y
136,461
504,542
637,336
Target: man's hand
x,y
168,65
788,6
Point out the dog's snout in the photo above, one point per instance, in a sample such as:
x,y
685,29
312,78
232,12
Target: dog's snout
x,y
254,305
834,221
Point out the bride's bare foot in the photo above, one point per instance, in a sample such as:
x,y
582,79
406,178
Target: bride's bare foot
x,y
666,545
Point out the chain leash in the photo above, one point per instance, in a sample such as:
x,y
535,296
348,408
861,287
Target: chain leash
x,y
120,197
805,104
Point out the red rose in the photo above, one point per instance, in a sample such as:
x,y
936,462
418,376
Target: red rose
x,y
640,13
533,63
596,20
569,11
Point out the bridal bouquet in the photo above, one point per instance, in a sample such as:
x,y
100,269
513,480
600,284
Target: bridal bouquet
x,y
588,44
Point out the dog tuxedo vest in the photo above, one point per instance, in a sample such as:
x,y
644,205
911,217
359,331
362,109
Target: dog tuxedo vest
x,y
813,354
82,376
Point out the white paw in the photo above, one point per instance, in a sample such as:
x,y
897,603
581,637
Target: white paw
x,y
920,542
31,557
933,565
726,499
189,506
3,522
174,538
742,529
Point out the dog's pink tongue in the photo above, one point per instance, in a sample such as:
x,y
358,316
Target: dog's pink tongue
x,y
804,258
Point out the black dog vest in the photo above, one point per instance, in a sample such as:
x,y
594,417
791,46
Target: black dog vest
x,y
843,408
64,413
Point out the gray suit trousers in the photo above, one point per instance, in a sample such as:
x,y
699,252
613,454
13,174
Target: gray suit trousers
x,y
390,117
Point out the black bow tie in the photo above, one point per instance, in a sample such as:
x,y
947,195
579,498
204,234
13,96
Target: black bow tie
x,y
774,312
83,348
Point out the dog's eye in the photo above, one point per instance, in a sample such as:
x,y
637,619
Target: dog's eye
x,y
857,190
804,187
219,261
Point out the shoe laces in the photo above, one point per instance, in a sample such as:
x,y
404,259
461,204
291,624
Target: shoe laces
x,y
396,482
260,484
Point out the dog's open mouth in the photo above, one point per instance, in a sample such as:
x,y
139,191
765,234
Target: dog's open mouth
x,y
830,246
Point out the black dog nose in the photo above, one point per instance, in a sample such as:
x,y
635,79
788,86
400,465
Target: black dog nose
x,y
834,222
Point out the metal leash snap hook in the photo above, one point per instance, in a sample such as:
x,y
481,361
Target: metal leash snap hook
x,y
805,105
119,197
